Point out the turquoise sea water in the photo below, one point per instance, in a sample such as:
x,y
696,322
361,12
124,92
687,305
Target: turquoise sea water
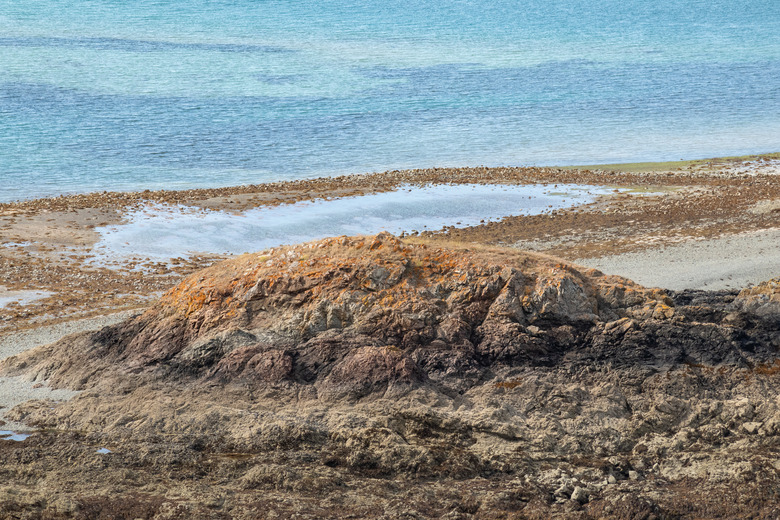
x,y
138,94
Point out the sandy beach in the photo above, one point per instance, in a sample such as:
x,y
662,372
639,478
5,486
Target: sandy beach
x,y
730,262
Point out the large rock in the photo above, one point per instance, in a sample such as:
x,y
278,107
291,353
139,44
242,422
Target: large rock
x,y
357,313
762,299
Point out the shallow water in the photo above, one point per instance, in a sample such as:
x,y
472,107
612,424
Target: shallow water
x,y
142,94
8,435
165,232
20,297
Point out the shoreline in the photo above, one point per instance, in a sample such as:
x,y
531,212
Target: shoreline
x,y
375,182
372,180
47,243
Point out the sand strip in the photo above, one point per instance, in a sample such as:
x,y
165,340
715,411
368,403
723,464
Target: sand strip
x,y
15,343
729,262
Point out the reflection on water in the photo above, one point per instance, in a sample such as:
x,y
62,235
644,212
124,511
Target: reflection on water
x,y
8,435
169,232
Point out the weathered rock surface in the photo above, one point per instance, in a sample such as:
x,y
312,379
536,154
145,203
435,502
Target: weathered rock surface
x,y
762,299
371,377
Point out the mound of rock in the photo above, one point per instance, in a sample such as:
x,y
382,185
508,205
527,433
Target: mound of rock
x,y
542,387
352,317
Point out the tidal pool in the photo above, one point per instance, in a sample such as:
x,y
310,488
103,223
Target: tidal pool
x,y
8,435
164,232
20,297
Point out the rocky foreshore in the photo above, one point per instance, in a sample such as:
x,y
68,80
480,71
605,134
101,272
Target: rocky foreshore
x,y
370,377
49,247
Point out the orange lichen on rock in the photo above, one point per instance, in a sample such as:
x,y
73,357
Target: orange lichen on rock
x,y
340,294
373,292
384,283
764,297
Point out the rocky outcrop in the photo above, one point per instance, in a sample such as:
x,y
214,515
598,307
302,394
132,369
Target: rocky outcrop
x,y
375,310
532,386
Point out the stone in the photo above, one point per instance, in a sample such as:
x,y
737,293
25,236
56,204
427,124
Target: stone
x,y
580,495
